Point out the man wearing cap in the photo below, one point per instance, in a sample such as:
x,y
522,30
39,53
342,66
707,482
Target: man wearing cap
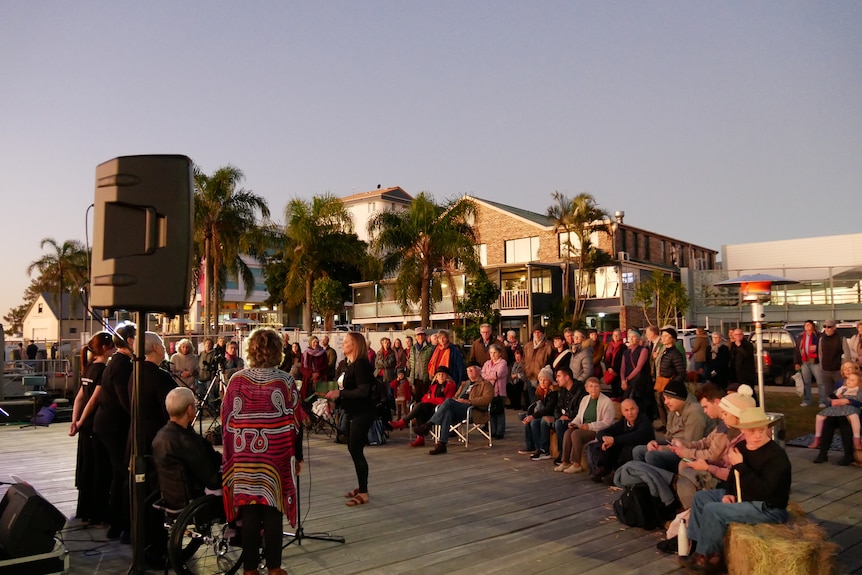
x,y
447,354
417,364
475,392
669,366
537,354
829,350
686,422
764,490
705,462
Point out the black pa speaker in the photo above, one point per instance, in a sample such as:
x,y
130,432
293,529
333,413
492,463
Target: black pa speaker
x,y
142,234
27,522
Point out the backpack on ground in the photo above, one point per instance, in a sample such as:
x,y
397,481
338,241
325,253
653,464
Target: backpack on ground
x,y
637,507
377,433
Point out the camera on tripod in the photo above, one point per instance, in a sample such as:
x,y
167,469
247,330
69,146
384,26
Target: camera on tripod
x,y
216,361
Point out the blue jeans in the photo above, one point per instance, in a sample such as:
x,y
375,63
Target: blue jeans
x,y
663,459
449,411
530,389
537,435
810,372
710,518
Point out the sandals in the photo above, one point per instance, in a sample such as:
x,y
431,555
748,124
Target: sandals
x,y
352,494
358,499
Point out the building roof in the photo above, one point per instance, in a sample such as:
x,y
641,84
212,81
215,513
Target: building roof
x,y
393,194
538,219
80,311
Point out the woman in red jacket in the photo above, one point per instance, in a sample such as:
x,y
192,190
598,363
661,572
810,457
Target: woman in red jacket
x,y
441,389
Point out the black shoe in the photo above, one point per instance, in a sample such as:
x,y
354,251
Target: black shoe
x,y
821,458
496,437
438,449
126,538
669,546
846,460
114,532
540,456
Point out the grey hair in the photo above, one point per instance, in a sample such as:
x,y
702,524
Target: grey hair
x,y
178,401
151,339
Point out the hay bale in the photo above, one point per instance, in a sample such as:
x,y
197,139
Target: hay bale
x,y
796,548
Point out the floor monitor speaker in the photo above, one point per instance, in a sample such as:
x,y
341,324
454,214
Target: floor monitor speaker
x,y
27,522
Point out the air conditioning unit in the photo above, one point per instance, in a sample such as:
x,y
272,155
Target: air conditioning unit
x,y
623,256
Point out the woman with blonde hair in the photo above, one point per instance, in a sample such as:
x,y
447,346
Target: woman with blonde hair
x,y
184,363
354,391
262,457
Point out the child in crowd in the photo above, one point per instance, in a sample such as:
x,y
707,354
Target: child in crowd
x,y
847,404
402,392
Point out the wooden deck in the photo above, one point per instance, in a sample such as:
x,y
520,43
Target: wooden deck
x,y
485,511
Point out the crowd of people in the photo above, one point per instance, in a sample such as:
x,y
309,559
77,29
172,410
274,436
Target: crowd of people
x,y
588,405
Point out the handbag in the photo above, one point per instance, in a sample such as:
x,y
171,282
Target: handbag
x,y
609,377
799,383
660,383
498,405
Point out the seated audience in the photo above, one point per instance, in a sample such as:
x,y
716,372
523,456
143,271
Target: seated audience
x,y
441,389
613,445
475,392
764,481
685,421
540,415
569,398
846,404
705,463
595,413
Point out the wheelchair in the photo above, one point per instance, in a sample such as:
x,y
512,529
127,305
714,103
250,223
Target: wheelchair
x,y
200,540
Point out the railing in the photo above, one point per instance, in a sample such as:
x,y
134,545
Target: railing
x,y
57,372
514,299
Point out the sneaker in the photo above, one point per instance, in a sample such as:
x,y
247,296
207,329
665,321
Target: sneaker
x,y
573,468
540,455
526,451
804,404
561,467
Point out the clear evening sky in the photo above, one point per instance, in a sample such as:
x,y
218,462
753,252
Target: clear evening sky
x,y
712,122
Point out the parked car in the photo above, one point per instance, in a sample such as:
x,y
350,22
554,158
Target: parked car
x,y
779,345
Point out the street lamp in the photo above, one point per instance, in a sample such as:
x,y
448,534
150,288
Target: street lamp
x,y
757,289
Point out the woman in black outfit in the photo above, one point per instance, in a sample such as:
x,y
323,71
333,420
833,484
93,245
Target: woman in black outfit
x,y
92,474
355,393
112,424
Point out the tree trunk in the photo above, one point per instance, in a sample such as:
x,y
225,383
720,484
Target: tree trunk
x,y
425,300
205,296
306,313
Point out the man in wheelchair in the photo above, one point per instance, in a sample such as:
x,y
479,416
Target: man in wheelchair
x,y
186,464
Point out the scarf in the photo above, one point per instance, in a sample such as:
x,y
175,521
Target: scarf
x,y
311,352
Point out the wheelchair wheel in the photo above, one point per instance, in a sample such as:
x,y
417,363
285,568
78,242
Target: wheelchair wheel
x,y
202,542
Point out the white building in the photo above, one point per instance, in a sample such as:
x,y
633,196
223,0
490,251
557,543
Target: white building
x,y
828,269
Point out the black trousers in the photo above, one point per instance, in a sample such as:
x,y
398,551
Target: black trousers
x,y
357,436
842,425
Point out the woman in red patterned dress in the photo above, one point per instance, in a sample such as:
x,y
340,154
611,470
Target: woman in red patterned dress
x,y
261,414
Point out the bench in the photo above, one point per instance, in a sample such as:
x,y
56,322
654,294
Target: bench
x,y
798,547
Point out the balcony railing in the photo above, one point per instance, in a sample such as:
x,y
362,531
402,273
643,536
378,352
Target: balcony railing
x,y
514,299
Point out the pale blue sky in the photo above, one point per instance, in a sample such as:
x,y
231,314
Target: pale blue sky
x,y
711,122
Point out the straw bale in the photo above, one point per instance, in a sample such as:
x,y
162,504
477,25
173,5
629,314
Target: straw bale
x,y
796,548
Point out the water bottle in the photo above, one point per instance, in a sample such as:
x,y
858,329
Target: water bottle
x,y
683,546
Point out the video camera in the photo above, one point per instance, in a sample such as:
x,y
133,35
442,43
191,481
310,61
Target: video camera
x,y
216,360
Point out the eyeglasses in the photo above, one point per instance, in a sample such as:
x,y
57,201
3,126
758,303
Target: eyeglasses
x,y
828,327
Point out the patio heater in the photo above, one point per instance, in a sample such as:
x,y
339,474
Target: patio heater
x,y
756,289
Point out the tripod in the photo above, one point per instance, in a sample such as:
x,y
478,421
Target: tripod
x,y
205,405
300,533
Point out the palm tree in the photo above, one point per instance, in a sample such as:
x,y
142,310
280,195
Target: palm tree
x,y
316,231
577,218
64,265
423,241
226,228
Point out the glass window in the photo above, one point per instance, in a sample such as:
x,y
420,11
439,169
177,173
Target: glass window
x,y
541,281
522,250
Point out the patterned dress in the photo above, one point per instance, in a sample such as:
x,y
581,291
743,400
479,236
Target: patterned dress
x,y
261,414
